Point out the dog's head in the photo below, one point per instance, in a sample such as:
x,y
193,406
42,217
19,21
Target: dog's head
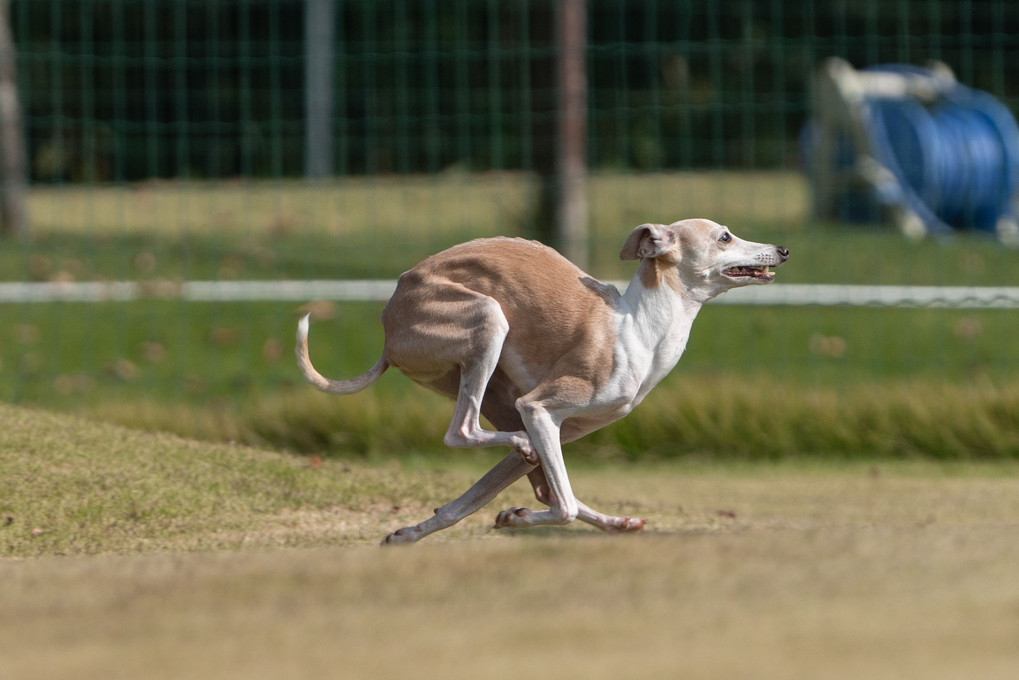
x,y
706,256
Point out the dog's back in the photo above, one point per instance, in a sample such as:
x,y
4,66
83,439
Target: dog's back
x,y
444,309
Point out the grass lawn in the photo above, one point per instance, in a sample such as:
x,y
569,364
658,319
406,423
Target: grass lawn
x,y
757,382
125,554
829,492
379,227
225,371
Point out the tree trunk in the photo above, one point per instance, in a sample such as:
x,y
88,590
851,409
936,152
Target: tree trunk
x,y
13,216
318,88
559,130
571,138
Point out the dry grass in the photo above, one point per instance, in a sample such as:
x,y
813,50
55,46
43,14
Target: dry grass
x,y
791,570
254,208
926,600
399,205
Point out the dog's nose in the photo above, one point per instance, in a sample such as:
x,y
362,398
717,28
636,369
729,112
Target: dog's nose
x,y
782,251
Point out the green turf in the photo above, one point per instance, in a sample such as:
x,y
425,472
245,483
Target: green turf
x,y
380,227
219,370
768,554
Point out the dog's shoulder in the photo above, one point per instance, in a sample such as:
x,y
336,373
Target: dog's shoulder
x,y
605,291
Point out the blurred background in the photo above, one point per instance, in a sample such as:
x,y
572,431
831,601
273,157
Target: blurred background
x,y
182,178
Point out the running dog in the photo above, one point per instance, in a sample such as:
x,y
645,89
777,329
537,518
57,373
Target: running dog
x,y
515,332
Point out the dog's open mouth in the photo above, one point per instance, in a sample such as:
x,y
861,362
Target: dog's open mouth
x,y
760,273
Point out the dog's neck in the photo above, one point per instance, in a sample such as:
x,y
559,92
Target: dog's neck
x,y
660,285
660,308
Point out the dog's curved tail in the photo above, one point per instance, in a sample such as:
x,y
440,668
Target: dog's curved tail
x,y
325,384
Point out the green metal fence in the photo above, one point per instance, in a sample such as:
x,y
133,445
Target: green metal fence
x,y
168,142
118,90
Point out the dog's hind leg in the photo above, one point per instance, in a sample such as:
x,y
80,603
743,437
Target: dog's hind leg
x,y
498,408
508,470
476,369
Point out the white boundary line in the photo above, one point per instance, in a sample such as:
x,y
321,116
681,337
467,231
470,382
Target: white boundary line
x,y
786,294
950,297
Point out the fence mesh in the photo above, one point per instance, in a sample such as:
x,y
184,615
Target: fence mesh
x,y
124,91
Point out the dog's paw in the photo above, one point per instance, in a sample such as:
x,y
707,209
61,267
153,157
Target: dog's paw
x,y
524,447
513,517
401,536
622,525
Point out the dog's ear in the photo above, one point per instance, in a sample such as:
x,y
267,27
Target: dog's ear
x,y
648,240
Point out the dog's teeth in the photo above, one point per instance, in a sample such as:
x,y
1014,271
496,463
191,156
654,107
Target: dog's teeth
x,y
765,269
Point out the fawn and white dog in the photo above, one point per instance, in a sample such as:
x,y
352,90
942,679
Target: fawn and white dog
x,y
515,332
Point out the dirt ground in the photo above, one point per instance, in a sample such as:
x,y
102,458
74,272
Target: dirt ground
x,y
850,572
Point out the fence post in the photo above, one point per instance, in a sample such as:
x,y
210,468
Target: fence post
x,y
571,137
318,88
13,183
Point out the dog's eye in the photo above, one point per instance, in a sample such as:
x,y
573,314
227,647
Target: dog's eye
x,y
726,237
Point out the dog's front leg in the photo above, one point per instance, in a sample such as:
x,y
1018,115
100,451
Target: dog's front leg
x,y
508,470
544,432
607,523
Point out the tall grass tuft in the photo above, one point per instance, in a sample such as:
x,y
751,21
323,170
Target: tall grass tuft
x,y
725,418
759,420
